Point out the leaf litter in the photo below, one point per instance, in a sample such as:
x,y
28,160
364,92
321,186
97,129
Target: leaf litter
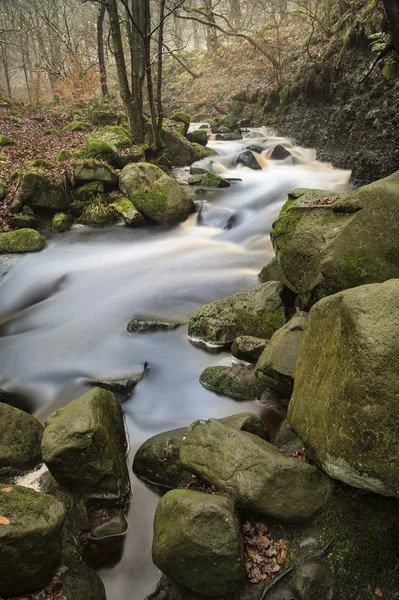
x,y
263,555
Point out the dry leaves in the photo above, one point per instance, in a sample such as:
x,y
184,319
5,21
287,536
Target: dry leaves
x,y
324,201
263,555
4,520
7,489
378,592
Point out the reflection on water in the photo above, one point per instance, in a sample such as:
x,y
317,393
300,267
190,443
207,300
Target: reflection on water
x,y
64,313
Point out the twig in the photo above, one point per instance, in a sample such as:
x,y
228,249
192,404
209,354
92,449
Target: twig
x,y
294,566
381,55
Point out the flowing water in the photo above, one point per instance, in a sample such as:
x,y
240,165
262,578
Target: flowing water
x,y
64,313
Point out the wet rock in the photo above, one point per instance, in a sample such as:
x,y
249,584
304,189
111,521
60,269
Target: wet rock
x,y
346,391
273,272
37,188
229,122
211,180
30,539
200,167
257,312
247,422
276,366
248,159
199,136
256,148
84,446
279,152
179,151
128,212
323,249
105,522
61,222
20,439
88,190
286,439
254,472
24,221
312,581
240,383
21,240
229,136
157,196
248,348
148,325
198,543
95,171
122,388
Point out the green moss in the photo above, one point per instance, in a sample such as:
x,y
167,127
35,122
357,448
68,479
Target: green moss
x,y
2,158
5,140
21,240
2,190
98,214
78,154
361,269
77,126
63,155
152,196
264,324
117,136
61,222
391,69
98,149
41,163
51,132
285,225
181,117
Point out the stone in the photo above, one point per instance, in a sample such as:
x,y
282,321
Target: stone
x,y
254,472
21,240
104,117
229,136
84,446
325,248
257,312
100,150
202,166
230,122
20,439
96,171
279,152
273,272
276,366
16,206
248,348
248,159
123,387
77,126
88,190
111,521
346,394
61,222
198,136
30,542
155,194
210,179
149,325
63,155
286,439
197,542
24,221
184,119
240,383
312,581
158,460
256,148
180,152
115,135
38,189
97,213
128,212
5,140
41,163
134,154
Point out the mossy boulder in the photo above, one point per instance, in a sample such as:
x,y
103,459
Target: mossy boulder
x,y
346,391
98,149
323,249
273,272
134,154
276,366
77,126
115,135
157,196
104,117
41,163
96,171
38,188
203,151
184,119
88,190
230,122
199,136
21,240
20,439
198,542
128,212
30,539
79,153
61,222
209,179
257,312
240,383
24,221
254,472
248,348
84,446
5,140
16,206
179,151
63,155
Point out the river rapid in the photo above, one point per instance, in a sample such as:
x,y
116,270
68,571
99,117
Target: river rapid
x,y
64,312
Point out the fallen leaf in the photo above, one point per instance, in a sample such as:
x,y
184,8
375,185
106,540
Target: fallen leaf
x,y
379,592
6,490
4,521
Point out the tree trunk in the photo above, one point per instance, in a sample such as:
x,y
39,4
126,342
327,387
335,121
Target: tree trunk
x,y
137,55
100,49
392,12
4,58
148,71
160,71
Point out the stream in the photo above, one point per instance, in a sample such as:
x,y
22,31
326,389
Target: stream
x,y
64,312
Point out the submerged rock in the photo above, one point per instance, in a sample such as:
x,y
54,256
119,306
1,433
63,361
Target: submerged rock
x,y
20,439
21,240
257,312
248,348
123,387
276,366
248,159
325,248
198,542
240,383
84,446
254,472
148,325
156,195
279,152
346,393
30,539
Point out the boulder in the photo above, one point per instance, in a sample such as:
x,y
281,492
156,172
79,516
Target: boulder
x,y
20,439
134,154
149,325
157,196
248,159
257,312
210,179
248,348
184,119
100,150
325,246
104,117
61,222
312,581
240,383
276,366
84,446
279,152
254,472
16,206
88,190
346,394
199,167
198,542
179,151
30,539
38,189
158,459
273,272
229,136
122,387
63,155
128,212
199,136
21,240
77,126
24,221
230,122
115,135
96,171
